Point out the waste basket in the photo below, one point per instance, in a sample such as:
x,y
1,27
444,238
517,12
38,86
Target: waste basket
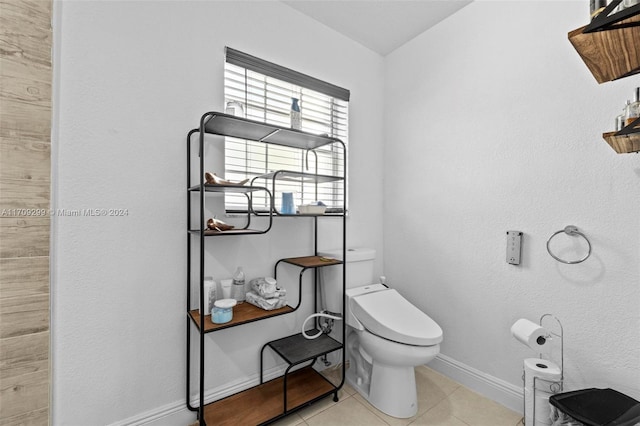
x,y
594,407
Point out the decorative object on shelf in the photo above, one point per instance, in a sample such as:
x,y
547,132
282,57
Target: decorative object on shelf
x,y
265,287
288,207
296,115
213,179
268,304
237,287
608,44
223,311
312,208
234,108
571,231
632,110
596,6
620,117
218,225
264,293
226,288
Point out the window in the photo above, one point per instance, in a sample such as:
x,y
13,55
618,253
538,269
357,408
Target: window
x,y
265,91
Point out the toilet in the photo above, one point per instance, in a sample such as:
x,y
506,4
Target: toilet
x,y
387,336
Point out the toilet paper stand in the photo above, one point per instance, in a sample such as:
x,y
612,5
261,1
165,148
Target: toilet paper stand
x,y
544,385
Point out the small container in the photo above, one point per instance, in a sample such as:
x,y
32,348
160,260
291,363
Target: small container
x,y
633,109
234,108
288,206
223,311
311,209
209,294
296,115
226,288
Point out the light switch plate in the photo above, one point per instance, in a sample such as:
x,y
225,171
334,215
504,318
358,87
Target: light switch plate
x,y
514,247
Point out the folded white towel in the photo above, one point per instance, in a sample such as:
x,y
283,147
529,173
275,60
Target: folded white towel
x,y
265,287
264,303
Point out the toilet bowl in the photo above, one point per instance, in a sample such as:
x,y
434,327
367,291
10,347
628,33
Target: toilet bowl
x,y
388,337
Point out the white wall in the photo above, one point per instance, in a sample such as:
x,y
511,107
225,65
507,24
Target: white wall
x,y
134,78
493,123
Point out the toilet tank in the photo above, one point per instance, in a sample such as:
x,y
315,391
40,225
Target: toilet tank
x,y
359,267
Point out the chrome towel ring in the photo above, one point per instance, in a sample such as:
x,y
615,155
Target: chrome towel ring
x,y
572,231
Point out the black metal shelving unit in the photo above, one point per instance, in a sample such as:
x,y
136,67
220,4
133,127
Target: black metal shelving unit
x,y
300,385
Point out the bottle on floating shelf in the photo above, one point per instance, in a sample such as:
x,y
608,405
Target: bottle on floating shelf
x,y
296,116
620,119
597,6
633,109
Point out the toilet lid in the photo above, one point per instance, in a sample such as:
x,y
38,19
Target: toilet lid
x,y
391,316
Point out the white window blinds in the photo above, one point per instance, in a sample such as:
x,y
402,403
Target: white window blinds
x,y
268,99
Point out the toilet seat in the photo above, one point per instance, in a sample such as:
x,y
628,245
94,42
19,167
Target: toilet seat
x,y
389,315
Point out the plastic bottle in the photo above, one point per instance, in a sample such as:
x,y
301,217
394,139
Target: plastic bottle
x,y
296,115
237,287
209,294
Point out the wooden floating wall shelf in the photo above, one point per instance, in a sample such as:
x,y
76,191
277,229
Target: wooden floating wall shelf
x,y
610,53
623,144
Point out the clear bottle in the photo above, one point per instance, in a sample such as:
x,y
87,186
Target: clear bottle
x,y
237,286
597,6
620,119
296,115
633,109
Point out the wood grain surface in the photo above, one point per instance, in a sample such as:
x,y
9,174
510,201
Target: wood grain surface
x,y
25,181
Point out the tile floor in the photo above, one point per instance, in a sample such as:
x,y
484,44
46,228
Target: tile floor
x,y
442,402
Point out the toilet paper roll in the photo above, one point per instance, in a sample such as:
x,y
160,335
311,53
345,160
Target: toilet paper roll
x,y
531,334
545,374
542,408
543,369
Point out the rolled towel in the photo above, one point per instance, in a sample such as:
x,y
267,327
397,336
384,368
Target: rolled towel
x,y
265,287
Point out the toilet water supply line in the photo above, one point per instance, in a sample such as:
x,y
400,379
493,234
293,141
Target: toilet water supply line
x,y
326,327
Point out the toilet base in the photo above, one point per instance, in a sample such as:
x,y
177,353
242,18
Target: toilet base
x,y
402,402
387,379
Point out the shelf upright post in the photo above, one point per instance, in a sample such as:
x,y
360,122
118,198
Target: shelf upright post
x,y
201,278
188,331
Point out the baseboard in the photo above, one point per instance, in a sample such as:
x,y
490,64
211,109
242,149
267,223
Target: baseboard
x,y
177,413
491,387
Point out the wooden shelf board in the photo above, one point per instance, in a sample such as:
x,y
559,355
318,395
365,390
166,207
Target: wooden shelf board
x,y
242,314
265,402
311,261
609,54
624,144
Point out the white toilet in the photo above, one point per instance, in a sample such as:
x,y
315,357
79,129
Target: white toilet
x,y
387,337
